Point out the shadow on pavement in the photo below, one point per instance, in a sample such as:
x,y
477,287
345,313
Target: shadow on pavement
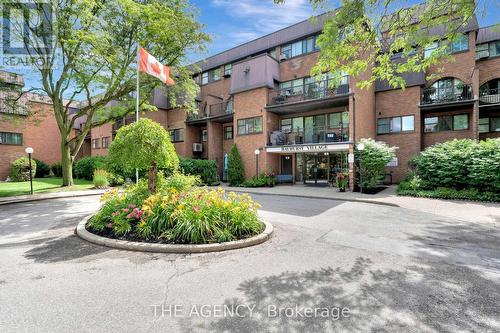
x,y
63,249
303,207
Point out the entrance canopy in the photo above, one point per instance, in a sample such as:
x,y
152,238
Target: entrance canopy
x,y
308,148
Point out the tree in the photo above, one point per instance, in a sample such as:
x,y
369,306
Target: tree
x,y
372,161
361,34
143,145
92,57
235,169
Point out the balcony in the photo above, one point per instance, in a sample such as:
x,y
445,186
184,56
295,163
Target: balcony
x,y
433,97
318,134
220,112
308,97
489,96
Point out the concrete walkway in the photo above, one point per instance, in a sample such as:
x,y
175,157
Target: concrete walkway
x,y
470,211
46,196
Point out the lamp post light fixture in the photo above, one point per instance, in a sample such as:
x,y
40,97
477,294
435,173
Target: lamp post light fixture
x,y
257,153
29,151
361,147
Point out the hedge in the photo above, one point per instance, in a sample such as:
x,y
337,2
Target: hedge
x,y
85,167
56,169
205,169
20,169
235,168
42,169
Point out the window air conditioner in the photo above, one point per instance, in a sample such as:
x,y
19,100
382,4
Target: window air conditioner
x,y
197,147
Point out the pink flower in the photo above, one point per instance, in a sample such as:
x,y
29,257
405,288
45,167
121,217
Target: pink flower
x,y
131,215
126,210
131,206
109,225
196,209
114,214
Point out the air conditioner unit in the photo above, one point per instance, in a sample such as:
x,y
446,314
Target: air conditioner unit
x,y
197,147
283,57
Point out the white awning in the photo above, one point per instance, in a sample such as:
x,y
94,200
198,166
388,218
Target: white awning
x,y
309,148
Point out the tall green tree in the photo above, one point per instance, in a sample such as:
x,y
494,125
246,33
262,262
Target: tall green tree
x,y
143,145
93,59
235,168
360,34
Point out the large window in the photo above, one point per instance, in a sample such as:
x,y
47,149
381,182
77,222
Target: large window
x,y
460,44
249,125
228,133
177,135
395,124
457,122
300,47
7,138
310,86
491,124
211,76
105,142
330,127
96,143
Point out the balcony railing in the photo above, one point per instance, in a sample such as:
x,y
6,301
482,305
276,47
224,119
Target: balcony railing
x,y
212,111
489,96
318,134
306,92
434,95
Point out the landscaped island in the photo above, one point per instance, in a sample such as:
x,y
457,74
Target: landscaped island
x,y
180,212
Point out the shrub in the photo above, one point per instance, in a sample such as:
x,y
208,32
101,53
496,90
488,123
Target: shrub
x,y
372,161
56,169
450,194
235,169
205,169
20,169
85,167
100,179
115,180
42,169
262,180
460,164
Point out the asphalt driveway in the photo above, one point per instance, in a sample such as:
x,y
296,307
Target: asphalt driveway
x,y
330,266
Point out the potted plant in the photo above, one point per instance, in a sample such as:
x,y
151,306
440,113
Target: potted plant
x,y
342,180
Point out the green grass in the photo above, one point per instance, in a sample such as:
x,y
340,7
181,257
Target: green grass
x,y
42,185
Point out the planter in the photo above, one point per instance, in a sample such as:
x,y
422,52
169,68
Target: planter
x,y
83,233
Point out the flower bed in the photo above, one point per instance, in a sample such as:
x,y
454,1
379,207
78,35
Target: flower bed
x,y
179,213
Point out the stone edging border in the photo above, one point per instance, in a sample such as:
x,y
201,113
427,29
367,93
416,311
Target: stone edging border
x,y
35,198
171,248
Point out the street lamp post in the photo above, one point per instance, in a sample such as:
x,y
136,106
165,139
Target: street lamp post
x,y
361,147
257,153
29,151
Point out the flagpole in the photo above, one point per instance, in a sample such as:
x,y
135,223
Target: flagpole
x,y
137,105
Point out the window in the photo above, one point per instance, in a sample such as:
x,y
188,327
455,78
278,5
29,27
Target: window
x,y
446,123
211,76
105,142
177,135
484,125
286,125
460,44
495,49
300,47
95,143
250,126
272,53
228,133
482,51
228,69
395,124
204,135
495,124
430,49
7,138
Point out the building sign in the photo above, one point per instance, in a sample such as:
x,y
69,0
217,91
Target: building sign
x,y
393,162
313,148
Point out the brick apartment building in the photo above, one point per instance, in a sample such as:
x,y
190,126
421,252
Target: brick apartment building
x,y
259,96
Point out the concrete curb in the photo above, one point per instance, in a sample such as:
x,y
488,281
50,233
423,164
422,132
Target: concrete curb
x,y
229,189
15,201
171,248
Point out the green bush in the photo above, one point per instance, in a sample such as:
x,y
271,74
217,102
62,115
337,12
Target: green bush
x,y
262,180
372,161
42,169
20,169
56,169
235,169
85,167
115,180
100,179
205,169
450,194
179,212
460,164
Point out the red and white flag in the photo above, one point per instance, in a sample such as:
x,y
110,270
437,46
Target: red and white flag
x,y
149,64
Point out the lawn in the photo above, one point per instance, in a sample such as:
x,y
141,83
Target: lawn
x,y
41,185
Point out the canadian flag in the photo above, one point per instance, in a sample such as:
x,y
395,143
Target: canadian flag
x,y
149,64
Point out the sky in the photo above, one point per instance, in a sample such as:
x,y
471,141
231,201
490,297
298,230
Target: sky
x,y
233,22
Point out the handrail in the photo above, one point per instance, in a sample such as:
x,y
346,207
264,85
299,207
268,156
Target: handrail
x,y
489,96
320,134
309,91
433,95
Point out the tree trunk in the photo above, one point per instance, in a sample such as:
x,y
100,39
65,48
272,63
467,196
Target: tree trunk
x,y
152,181
67,164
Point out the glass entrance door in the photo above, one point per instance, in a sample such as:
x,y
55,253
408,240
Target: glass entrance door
x,y
316,168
